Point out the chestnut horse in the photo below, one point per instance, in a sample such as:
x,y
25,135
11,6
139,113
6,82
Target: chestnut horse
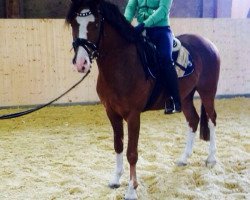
x,y
100,31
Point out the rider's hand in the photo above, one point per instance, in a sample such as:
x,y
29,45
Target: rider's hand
x,y
139,28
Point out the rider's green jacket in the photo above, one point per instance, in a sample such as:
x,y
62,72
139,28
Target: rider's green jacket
x,y
150,12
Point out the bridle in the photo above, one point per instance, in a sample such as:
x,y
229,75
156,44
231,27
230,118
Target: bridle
x,y
90,47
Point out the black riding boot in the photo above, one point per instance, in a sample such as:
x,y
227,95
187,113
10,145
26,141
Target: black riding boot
x,y
170,82
169,106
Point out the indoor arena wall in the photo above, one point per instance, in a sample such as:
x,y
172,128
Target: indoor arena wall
x,y
35,59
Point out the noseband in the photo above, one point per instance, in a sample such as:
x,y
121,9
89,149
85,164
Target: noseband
x,y
90,47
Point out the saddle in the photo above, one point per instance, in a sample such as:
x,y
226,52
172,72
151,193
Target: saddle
x,y
149,57
183,60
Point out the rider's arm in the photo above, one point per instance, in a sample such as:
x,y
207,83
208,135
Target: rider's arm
x,y
160,14
131,9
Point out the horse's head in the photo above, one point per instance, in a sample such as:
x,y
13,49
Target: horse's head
x,y
86,21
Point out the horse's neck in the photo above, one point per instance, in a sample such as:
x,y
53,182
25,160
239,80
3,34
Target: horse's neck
x,y
118,61
111,41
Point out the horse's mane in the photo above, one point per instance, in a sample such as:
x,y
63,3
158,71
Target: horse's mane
x,y
111,14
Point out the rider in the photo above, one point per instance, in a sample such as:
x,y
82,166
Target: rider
x,y
153,16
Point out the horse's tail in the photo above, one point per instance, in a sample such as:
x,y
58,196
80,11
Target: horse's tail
x,y
204,130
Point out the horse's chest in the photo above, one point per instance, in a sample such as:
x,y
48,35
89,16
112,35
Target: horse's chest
x,y
113,100
110,98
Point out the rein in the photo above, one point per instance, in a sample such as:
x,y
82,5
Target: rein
x,y
91,47
19,114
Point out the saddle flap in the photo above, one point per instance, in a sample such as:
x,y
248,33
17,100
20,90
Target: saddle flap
x,y
149,57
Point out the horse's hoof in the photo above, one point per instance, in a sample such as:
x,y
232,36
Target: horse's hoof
x,y
132,198
210,164
181,164
114,186
131,192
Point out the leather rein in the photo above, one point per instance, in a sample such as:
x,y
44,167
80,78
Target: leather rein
x,y
19,114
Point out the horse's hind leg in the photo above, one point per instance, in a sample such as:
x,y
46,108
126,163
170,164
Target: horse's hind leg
x,y
211,159
117,125
209,114
192,120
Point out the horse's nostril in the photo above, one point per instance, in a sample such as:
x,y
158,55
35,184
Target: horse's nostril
x,y
85,62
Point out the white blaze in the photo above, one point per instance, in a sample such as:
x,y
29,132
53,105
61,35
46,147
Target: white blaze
x,y
82,59
83,23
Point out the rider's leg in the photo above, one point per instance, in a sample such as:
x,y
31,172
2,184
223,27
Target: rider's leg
x,y
170,82
163,39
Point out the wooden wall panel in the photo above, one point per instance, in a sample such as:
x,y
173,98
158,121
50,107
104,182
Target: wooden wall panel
x,y
35,64
35,59
231,36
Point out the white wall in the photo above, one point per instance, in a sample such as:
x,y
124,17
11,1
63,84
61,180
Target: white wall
x,y
240,8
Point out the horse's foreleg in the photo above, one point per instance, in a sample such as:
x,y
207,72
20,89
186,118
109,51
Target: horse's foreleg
x,y
117,125
211,159
132,153
115,180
